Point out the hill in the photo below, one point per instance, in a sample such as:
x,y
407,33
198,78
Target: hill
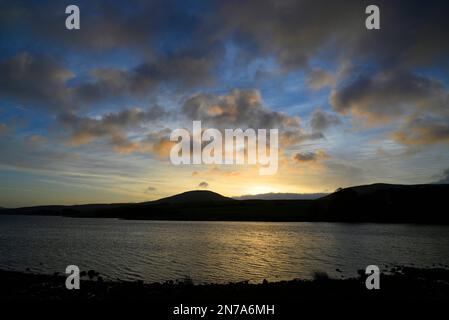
x,y
387,203
384,203
194,196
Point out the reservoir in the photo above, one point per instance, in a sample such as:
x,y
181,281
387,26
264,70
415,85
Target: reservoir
x,y
214,251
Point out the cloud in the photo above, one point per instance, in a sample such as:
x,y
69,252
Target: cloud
x,y
417,104
238,109
42,80
322,120
319,78
293,32
218,171
295,137
105,26
245,109
289,30
35,79
139,30
311,157
180,71
150,190
203,185
384,96
158,143
242,108
24,153
114,126
296,32
444,178
35,140
423,131
169,49
3,128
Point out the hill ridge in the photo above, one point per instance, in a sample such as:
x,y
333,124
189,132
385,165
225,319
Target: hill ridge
x,y
193,196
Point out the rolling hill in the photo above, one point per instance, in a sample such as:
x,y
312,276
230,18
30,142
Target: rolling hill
x,y
194,196
384,203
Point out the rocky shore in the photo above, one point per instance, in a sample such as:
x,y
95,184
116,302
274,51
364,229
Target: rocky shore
x,y
398,282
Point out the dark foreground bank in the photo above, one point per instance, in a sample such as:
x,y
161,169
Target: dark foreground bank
x,y
396,283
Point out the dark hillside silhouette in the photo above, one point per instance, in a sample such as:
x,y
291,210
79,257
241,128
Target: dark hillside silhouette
x,y
194,196
387,203
370,203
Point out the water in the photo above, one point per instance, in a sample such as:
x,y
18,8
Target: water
x,y
213,251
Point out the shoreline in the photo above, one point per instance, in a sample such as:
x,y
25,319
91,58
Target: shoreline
x,y
377,203
399,282
201,219
253,218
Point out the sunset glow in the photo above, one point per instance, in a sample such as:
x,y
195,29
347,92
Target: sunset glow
x,y
86,115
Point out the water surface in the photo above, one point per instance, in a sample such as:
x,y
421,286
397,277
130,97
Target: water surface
x,y
213,251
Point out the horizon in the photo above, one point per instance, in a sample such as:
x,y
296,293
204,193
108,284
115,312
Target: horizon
x,y
223,158
241,197
261,196
86,115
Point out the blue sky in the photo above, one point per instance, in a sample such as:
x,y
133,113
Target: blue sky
x,y
85,115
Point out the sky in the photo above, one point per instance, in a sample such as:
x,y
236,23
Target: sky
x,y
86,115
